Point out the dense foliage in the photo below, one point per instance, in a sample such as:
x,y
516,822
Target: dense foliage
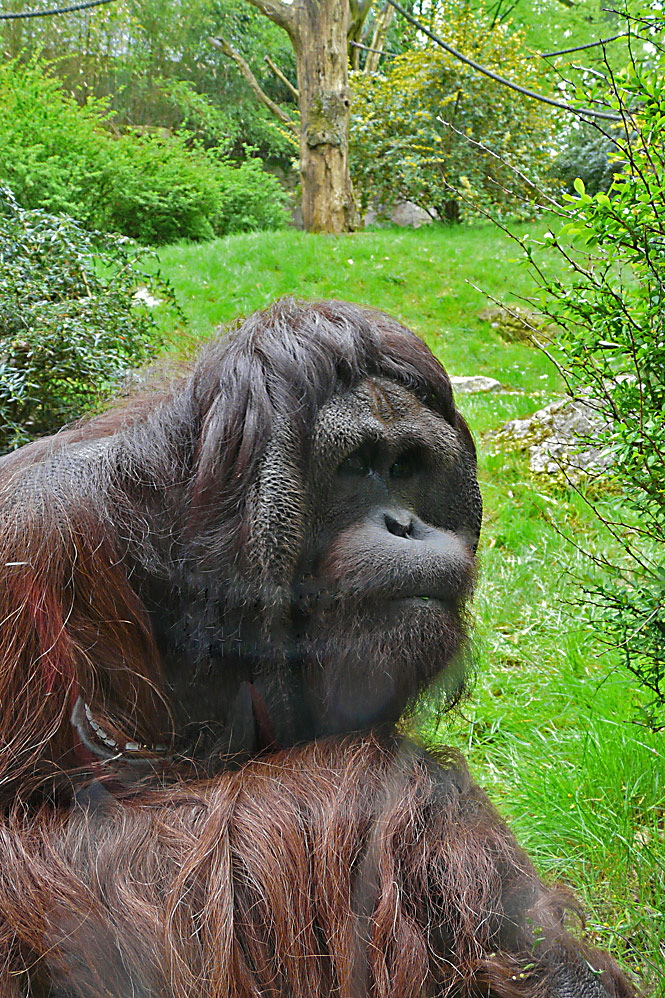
x,y
70,322
158,69
611,308
590,154
415,127
155,187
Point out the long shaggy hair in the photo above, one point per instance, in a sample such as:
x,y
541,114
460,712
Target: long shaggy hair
x,y
134,549
346,868
156,516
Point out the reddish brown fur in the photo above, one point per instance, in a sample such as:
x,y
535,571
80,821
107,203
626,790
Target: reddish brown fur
x,y
161,486
345,868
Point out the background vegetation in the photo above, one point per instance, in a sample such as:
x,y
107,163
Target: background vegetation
x,y
152,127
158,70
71,322
152,186
412,124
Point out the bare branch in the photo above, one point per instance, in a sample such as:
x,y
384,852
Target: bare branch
x,y
280,76
248,75
368,48
281,13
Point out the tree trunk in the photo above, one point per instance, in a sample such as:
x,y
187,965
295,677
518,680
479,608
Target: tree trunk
x,y
319,36
318,32
383,21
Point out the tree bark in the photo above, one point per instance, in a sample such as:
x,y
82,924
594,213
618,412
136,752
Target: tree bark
x,y
323,83
318,32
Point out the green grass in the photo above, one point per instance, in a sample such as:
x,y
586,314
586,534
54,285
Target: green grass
x,y
549,729
425,278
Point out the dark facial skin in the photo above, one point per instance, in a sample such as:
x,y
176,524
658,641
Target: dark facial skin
x,y
394,530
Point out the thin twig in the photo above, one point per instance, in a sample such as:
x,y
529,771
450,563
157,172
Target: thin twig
x,y
368,48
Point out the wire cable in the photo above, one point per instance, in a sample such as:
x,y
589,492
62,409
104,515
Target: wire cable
x,y
18,15
579,48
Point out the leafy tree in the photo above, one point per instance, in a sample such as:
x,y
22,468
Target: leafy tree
x,y
411,125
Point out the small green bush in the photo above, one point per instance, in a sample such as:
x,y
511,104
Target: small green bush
x,y
70,324
250,199
61,157
162,191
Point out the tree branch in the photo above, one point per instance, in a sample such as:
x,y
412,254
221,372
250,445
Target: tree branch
x,y
248,75
280,76
581,112
359,9
383,20
281,13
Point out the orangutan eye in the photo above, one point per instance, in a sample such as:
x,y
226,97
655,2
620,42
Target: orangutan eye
x,y
354,464
407,464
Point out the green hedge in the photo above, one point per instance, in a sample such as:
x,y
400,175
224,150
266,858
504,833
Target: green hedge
x,y
61,157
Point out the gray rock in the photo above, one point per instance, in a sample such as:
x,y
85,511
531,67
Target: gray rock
x,y
405,214
473,384
561,439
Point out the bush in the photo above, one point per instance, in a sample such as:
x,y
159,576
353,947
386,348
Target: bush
x,y
163,191
54,154
400,150
70,324
611,309
153,187
590,154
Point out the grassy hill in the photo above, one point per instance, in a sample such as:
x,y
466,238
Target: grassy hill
x,y
549,730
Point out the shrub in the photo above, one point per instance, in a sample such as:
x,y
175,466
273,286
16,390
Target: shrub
x,y
54,154
590,154
249,199
611,309
70,324
401,150
163,191
153,187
